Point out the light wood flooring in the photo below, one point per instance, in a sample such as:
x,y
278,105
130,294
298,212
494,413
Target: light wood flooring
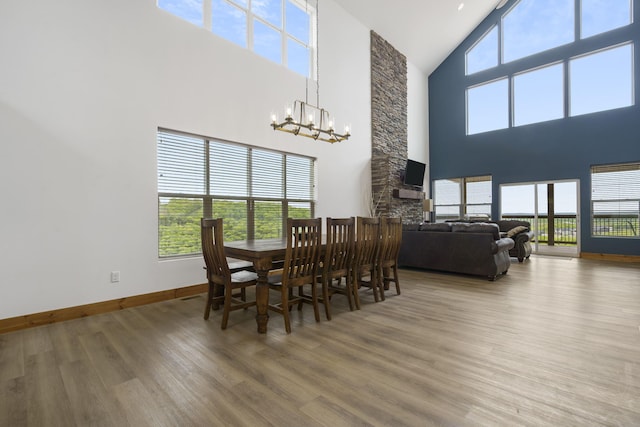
x,y
556,342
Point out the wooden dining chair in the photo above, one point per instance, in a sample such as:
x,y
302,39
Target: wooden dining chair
x,y
337,262
302,256
224,286
391,230
366,259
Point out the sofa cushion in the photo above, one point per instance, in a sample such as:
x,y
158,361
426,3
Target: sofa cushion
x,y
516,230
435,226
477,227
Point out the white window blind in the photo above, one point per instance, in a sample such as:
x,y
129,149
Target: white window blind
x,y
448,198
181,164
478,196
462,197
253,189
615,200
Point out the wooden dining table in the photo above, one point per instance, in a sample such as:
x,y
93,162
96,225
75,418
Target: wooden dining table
x,y
262,253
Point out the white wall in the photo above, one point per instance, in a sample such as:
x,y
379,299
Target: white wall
x,y
418,118
84,85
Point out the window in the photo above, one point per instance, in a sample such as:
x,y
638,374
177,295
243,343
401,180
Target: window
x,y
235,22
533,26
615,200
448,198
561,84
253,189
538,95
279,30
190,11
478,195
488,107
599,16
484,54
462,197
601,81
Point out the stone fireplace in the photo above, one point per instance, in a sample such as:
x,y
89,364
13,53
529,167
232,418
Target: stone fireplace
x,y
389,195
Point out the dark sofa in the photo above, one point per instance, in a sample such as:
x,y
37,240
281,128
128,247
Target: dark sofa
x,y
475,249
520,232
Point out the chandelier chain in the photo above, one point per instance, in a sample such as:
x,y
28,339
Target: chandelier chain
x,y
317,55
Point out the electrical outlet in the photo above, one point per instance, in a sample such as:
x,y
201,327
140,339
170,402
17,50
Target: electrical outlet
x,y
115,276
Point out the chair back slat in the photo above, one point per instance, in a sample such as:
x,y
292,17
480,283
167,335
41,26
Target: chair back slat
x,y
340,247
391,229
303,250
211,233
367,241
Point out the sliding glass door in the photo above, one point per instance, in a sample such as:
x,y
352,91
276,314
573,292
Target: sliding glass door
x,y
552,208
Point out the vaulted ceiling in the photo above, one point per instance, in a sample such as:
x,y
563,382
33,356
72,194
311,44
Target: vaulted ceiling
x,y
425,31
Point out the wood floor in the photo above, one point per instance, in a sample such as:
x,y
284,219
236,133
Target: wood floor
x,y
555,342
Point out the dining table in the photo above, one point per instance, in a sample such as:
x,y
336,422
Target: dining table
x,y
262,253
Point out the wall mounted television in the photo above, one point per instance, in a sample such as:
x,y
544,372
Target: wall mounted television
x,y
414,173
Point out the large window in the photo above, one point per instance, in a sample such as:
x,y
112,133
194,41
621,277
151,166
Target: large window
x,y
536,25
462,198
615,200
253,189
484,54
538,95
591,80
601,81
599,16
279,30
488,107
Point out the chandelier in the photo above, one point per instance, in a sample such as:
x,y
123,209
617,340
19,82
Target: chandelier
x,y
301,120
305,119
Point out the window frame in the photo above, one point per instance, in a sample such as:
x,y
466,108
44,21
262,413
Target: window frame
x,y
514,94
208,198
251,17
507,80
569,107
597,230
463,203
580,47
481,39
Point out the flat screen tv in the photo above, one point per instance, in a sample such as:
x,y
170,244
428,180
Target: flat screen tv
x,y
414,173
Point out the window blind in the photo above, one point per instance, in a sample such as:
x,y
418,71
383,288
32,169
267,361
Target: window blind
x,y
478,195
181,164
615,200
253,189
457,197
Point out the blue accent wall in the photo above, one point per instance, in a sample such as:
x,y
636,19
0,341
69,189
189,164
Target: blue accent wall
x,y
555,150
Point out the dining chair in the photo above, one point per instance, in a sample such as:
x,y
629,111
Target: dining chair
x,y
222,282
391,230
337,262
302,256
366,259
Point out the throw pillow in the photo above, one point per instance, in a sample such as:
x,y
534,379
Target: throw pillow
x,y
516,230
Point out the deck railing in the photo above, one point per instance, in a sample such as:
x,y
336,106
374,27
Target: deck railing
x,y
565,229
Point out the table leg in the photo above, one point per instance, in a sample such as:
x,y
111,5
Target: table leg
x,y
262,267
